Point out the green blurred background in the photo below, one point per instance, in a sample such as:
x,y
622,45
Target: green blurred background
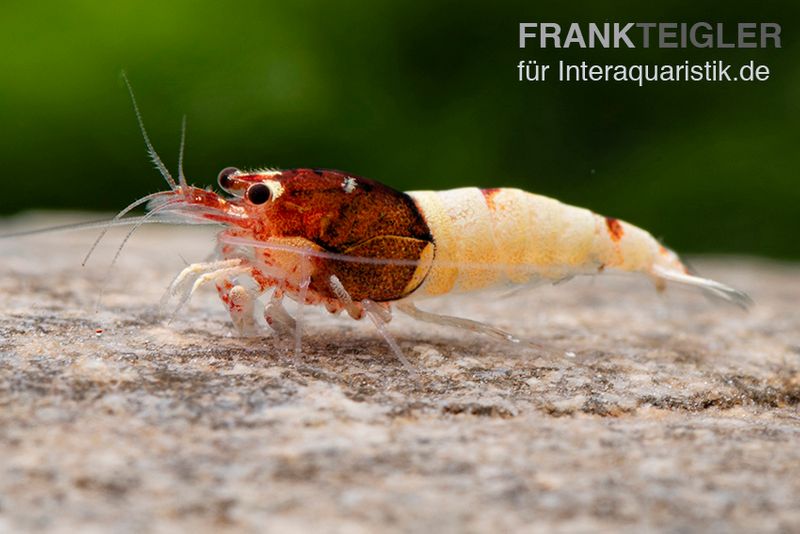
x,y
417,95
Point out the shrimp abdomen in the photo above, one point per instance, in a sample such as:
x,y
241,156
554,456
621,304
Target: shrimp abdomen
x,y
488,237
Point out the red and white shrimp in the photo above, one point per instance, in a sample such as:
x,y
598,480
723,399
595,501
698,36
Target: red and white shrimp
x,y
325,237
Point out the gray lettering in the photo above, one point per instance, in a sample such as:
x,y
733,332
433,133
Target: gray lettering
x,y
721,37
706,39
574,35
595,35
552,31
645,26
774,33
744,35
664,34
622,35
524,34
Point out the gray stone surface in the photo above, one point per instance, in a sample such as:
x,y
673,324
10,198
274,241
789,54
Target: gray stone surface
x,y
670,413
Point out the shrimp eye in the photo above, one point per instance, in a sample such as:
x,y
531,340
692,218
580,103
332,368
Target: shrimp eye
x,y
224,178
258,193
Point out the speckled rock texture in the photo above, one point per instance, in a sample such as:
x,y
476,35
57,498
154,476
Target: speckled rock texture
x,y
665,413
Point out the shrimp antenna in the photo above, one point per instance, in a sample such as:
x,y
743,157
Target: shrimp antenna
x,y
181,176
139,222
119,216
150,150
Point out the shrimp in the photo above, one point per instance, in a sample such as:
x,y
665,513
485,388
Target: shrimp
x,y
329,238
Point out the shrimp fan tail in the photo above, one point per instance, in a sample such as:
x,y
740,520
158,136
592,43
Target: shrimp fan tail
x,y
711,288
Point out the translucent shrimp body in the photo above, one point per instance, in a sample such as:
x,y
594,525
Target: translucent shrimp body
x,y
325,237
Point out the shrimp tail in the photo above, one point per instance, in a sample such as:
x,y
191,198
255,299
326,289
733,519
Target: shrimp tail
x,y
711,288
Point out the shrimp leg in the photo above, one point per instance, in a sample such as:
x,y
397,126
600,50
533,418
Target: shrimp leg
x,y
447,320
239,300
379,316
276,315
186,278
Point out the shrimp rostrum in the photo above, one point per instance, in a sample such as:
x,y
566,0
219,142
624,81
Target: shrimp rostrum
x,y
325,237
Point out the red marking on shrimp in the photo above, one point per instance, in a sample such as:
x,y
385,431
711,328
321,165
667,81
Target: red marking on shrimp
x,y
488,195
262,281
614,228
